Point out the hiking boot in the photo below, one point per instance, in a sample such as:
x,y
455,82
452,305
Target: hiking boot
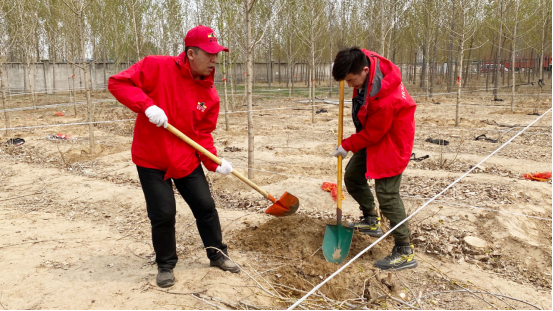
x,y
369,225
225,264
165,277
402,257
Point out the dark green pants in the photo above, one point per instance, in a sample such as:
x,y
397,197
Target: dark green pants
x,y
387,194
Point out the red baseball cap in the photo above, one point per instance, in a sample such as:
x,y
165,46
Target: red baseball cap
x,y
204,38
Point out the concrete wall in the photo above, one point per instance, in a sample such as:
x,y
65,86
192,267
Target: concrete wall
x,y
60,76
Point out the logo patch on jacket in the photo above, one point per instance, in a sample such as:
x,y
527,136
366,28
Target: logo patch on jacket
x,y
201,106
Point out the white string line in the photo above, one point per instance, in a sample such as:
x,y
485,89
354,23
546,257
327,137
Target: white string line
x,y
307,89
462,92
479,129
97,87
114,100
296,89
479,207
286,107
521,94
64,124
422,125
221,120
413,214
55,105
255,110
506,94
462,105
485,106
402,195
41,92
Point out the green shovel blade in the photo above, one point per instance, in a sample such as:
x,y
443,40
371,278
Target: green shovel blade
x,y
337,242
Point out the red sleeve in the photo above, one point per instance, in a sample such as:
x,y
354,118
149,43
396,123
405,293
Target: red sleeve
x,y
129,86
377,125
205,127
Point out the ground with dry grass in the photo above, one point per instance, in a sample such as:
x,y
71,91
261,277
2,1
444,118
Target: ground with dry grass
x,y
76,233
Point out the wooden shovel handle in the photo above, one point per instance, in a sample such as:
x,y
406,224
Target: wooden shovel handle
x,y
215,159
340,134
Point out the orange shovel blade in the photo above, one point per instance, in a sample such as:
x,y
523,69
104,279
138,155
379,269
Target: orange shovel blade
x,y
285,206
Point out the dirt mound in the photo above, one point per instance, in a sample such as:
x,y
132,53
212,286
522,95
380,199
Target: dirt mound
x,y
296,241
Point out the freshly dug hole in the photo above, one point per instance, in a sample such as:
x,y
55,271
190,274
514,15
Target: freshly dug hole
x,y
296,241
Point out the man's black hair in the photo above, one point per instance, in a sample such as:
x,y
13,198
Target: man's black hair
x,y
194,48
349,60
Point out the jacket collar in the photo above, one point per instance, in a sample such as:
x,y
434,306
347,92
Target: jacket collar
x,y
383,80
184,67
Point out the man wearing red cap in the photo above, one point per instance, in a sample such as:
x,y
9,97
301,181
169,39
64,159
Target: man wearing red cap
x,y
178,90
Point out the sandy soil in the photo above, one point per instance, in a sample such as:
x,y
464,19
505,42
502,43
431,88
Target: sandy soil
x,y
76,236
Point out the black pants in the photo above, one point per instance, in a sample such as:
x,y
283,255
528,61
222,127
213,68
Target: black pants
x,y
162,208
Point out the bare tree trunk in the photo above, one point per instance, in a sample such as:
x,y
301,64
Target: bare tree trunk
x,y
498,57
544,38
290,80
279,72
225,74
460,66
31,88
54,75
468,62
74,90
44,69
415,68
4,99
312,90
424,76
529,67
270,68
25,79
232,86
8,81
513,52
450,55
488,71
434,63
249,86
293,75
382,32
290,68
330,48
80,21
133,4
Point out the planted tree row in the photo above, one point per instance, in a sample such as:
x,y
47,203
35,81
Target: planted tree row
x,y
439,45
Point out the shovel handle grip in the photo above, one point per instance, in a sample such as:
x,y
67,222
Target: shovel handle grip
x,y
215,159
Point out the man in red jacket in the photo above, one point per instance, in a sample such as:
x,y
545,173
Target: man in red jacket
x,y
384,117
178,90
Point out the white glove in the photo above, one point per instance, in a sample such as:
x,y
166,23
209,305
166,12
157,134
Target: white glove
x,y
224,168
156,116
340,152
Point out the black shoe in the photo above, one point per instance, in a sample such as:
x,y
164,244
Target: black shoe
x,y
165,277
369,225
225,264
402,257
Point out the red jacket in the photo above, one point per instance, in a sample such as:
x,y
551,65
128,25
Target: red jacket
x,y
192,106
388,119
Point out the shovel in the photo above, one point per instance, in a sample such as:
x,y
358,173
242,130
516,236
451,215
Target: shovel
x,y
285,206
337,239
